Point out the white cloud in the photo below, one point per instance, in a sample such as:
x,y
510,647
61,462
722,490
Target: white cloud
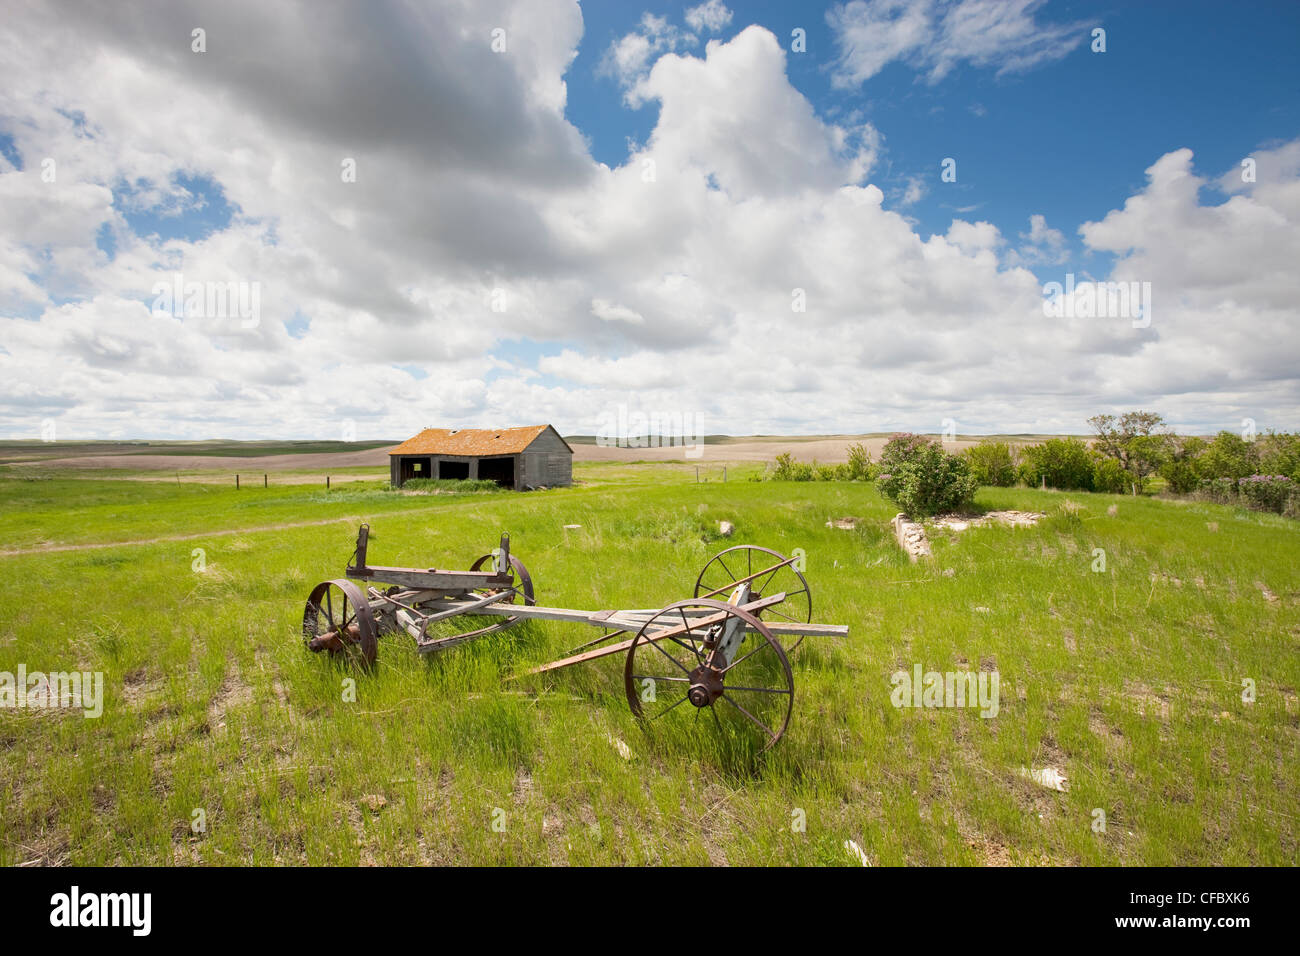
x,y
711,16
1041,245
735,116
612,312
629,58
471,183
936,35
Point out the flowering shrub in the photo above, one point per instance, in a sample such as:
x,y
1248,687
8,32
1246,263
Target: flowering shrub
x,y
921,478
1267,492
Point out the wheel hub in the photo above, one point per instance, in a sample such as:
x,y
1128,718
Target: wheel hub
x,y
706,685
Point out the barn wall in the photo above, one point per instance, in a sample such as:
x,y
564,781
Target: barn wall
x,y
547,461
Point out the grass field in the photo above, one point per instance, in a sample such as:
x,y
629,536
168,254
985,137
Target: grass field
x,y
1130,681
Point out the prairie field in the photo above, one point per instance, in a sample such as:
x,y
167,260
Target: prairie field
x,y
1146,649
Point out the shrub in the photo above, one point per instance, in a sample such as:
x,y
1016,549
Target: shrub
x,y
991,463
1279,454
787,469
859,464
1065,463
1228,456
1266,492
923,479
1109,476
1222,490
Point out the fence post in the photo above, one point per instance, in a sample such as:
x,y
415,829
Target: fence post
x,y
327,482
264,484
236,482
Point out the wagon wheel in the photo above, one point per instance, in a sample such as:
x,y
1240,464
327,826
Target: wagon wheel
x,y
338,619
727,568
523,585
749,691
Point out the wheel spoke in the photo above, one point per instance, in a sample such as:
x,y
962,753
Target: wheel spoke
x,y
679,665
746,657
666,709
749,715
675,680
727,569
760,690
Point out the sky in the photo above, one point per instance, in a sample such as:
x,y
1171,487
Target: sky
x,y
356,220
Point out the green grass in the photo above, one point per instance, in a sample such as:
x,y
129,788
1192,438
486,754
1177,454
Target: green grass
x,y
1129,681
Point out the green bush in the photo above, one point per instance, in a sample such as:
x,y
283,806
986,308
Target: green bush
x,y
923,479
1065,463
1222,490
1279,454
785,468
859,465
1228,456
991,463
1109,476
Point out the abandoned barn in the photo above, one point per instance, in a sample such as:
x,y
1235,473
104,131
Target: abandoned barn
x,y
530,457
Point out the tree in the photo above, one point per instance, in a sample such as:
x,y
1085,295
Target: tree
x,y
1132,440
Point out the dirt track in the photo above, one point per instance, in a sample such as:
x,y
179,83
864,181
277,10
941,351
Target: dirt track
x,y
252,465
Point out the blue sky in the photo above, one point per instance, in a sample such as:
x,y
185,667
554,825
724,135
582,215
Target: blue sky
x,y
794,261
1069,139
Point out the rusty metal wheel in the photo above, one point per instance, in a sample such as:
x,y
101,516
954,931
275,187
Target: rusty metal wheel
x,y
768,572
733,668
338,619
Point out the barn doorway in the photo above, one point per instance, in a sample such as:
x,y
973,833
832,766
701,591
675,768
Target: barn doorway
x,y
453,469
500,470
414,468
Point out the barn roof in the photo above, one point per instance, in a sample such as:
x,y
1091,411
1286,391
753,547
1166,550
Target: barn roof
x,y
471,441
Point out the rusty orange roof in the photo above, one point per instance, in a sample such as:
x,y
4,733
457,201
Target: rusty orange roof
x,y
470,441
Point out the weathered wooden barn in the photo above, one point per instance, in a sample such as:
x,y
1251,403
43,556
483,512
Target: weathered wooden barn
x,y
529,457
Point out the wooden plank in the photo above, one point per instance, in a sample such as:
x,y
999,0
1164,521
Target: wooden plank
x,y
633,620
431,579
659,635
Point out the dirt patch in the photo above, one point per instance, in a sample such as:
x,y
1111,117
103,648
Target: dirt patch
x,y
960,522
232,693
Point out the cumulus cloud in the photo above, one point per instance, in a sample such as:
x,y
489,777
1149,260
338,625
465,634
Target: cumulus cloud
x,y
711,16
1041,245
629,57
935,36
483,268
